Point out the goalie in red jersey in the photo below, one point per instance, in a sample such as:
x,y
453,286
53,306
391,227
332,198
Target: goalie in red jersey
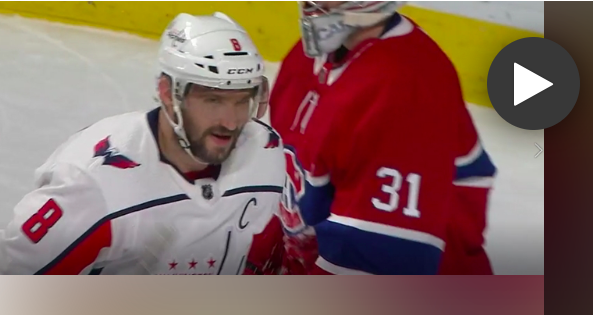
x,y
386,173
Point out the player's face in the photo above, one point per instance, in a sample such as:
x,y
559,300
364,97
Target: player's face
x,y
213,120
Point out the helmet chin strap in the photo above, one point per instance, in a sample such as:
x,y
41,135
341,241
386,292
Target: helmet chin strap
x,y
178,127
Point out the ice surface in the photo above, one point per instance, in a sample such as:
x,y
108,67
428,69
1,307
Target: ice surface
x,y
56,79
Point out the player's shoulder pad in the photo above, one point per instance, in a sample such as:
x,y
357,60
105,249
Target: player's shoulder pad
x,y
407,42
266,136
258,156
114,140
296,50
296,60
397,49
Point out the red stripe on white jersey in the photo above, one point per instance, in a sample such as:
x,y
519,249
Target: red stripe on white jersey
x,y
85,253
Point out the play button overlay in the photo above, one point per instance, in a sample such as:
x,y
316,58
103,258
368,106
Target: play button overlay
x,y
533,83
527,84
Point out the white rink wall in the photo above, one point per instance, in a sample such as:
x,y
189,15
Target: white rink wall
x,y
527,15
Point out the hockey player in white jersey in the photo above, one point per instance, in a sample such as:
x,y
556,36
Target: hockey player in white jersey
x,y
185,188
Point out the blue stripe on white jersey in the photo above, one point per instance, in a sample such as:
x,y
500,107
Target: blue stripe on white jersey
x,y
352,246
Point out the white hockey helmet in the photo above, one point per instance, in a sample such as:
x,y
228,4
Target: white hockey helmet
x,y
212,51
325,30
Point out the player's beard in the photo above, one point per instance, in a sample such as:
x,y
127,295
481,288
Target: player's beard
x,y
199,147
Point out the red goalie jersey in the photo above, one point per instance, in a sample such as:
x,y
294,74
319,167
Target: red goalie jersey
x,y
383,159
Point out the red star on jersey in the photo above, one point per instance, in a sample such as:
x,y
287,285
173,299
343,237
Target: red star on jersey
x,y
192,264
211,263
173,265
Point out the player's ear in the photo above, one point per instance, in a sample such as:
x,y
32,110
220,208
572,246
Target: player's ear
x,y
165,92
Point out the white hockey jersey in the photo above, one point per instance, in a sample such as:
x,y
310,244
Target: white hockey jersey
x,y
107,202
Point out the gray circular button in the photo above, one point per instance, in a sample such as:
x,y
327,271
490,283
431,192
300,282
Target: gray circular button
x,y
533,83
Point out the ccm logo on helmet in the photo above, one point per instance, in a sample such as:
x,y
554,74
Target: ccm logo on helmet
x,y
240,71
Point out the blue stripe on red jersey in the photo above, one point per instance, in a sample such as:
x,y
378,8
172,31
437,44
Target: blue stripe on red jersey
x,y
316,204
375,253
482,166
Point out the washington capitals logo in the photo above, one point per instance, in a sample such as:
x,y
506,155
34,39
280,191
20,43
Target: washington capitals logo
x,y
112,156
274,138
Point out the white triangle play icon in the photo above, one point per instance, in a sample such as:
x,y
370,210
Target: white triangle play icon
x,y
527,84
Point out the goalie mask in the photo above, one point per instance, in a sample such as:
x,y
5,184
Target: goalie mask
x,y
324,29
213,54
